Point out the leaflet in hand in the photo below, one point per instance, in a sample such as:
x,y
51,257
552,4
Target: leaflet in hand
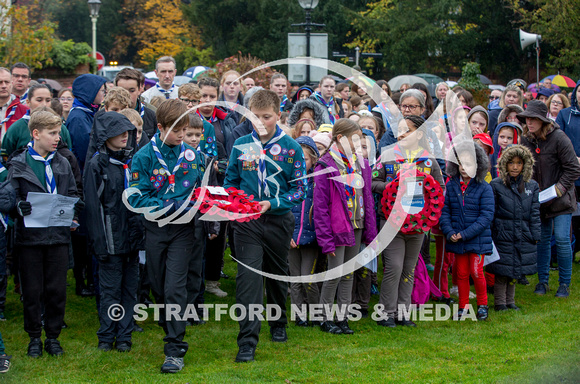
x,y
49,210
548,194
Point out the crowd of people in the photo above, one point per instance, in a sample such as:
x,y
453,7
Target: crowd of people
x,y
332,168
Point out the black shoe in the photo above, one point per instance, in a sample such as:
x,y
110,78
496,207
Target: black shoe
x,y
541,289
500,307
53,348
482,312
513,306
459,314
405,323
343,325
137,328
449,301
563,291
523,281
195,323
64,325
301,323
104,346
329,327
389,322
315,323
123,346
223,275
246,353
35,347
279,334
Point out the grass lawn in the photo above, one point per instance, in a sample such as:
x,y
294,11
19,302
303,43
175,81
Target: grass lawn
x,y
539,344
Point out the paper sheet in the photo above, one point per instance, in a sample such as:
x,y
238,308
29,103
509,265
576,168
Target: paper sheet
x,y
548,194
217,191
49,210
488,259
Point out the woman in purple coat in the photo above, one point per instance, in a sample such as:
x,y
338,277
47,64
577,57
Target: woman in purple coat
x,y
343,216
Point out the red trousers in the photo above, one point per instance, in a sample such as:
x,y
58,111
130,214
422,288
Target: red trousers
x,y
470,264
443,261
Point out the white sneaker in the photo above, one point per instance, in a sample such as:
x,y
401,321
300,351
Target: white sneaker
x,y
213,288
454,291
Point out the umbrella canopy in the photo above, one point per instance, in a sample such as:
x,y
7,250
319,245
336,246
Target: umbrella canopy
x,y
55,85
484,80
192,72
396,82
561,81
151,75
432,79
497,87
180,80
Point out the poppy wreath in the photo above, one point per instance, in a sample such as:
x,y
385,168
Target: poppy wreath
x,y
422,221
237,206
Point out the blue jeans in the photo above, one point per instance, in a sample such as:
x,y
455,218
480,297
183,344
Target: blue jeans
x,y
560,226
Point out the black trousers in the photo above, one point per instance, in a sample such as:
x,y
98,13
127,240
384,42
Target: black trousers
x,y
214,253
43,277
262,244
118,280
169,251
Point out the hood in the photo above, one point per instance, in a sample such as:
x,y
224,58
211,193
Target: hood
x,y
85,88
479,108
452,168
507,110
493,105
516,151
369,133
303,88
574,101
319,112
110,124
308,141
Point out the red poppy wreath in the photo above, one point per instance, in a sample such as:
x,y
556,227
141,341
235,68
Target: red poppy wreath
x,y
421,221
237,206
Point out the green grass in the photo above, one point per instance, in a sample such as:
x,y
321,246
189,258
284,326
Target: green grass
x,y
539,344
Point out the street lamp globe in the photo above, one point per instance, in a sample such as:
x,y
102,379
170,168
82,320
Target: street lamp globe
x,y
308,4
94,6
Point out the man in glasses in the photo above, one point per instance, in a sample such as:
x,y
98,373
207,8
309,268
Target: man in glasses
x,y
20,80
134,82
494,95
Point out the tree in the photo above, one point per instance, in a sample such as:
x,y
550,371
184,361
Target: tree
x,y
22,39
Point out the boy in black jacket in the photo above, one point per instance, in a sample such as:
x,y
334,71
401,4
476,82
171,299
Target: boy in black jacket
x,y
43,252
113,233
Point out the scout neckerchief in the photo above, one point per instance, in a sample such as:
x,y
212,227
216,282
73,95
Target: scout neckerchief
x,y
125,166
78,105
26,115
262,184
329,106
166,92
25,96
211,119
283,103
50,182
142,111
10,114
170,176
351,175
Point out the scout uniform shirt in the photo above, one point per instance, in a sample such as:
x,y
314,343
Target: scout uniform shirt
x,y
152,180
283,163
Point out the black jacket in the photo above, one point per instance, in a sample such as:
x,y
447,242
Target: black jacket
x,y
149,121
114,230
516,224
7,203
24,180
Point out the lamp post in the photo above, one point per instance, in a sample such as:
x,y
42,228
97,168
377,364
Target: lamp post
x,y
308,6
94,6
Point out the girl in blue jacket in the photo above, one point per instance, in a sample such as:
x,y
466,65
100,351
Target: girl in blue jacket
x,y
466,219
303,246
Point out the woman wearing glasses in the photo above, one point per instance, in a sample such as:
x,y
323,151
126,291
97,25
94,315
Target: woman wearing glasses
x,y
555,104
65,97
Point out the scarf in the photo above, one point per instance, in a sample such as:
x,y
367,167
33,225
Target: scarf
x,y
125,166
170,176
166,92
330,106
50,182
10,114
262,184
211,119
26,115
283,103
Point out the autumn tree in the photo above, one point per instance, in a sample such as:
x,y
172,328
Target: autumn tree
x,y
22,39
